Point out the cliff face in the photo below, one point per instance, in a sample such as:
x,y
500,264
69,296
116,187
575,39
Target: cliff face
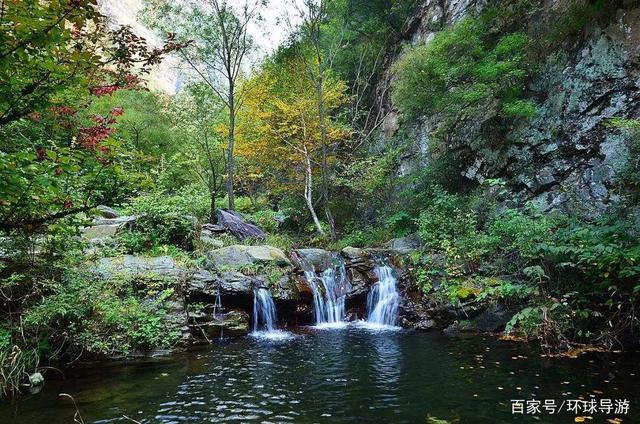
x,y
565,156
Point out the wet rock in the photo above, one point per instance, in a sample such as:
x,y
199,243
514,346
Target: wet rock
x,y
239,256
234,323
492,319
285,289
319,259
107,212
236,225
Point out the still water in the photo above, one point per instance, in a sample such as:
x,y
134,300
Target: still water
x,y
341,375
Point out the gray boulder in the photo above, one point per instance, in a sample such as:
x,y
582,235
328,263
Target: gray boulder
x,y
236,224
158,268
404,245
237,256
318,259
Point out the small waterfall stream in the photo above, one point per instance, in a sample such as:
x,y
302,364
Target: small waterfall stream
x,y
264,311
383,299
329,293
265,318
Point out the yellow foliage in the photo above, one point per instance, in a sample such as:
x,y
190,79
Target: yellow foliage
x,y
279,120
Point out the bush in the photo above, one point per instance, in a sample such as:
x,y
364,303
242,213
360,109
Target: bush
x,y
102,317
164,219
465,68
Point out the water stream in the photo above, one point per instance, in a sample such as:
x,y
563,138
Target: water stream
x,y
265,318
329,293
383,299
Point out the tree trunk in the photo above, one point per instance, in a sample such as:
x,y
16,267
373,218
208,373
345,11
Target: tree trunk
x,y
325,166
232,123
308,192
212,214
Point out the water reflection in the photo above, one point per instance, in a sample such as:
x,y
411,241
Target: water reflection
x,y
333,376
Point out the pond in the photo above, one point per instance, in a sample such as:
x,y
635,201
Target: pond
x,y
337,375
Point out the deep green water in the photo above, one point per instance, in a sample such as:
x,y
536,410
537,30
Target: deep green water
x,y
340,375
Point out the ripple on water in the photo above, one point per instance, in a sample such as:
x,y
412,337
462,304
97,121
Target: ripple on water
x,y
276,335
365,325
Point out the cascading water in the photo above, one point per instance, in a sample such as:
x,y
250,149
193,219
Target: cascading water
x,y
329,292
383,299
264,311
265,318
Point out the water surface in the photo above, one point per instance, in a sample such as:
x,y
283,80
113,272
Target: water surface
x,y
335,375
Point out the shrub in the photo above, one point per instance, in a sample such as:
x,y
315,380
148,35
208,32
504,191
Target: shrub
x,y
103,317
163,219
465,68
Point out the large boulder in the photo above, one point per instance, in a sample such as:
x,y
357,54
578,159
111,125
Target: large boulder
x,y
236,224
404,245
238,256
103,229
158,268
316,259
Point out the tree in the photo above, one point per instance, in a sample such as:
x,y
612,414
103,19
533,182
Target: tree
x,y
280,133
201,149
219,52
55,57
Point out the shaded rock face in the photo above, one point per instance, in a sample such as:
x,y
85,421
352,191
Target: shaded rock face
x,y
236,225
566,157
241,256
404,245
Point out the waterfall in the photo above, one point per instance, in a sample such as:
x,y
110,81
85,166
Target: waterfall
x,y
329,292
217,305
265,319
383,299
264,311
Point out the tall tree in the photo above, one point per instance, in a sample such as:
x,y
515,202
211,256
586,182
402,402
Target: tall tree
x,y
312,14
201,150
280,133
218,55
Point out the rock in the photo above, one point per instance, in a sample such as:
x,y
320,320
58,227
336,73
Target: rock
x,y
238,256
285,289
353,252
235,223
158,268
202,284
107,212
404,245
492,319
318,259
234,323
103,229
234,283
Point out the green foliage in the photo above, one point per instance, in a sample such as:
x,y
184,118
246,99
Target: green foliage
x,y
103,317
164,219
465,69
445,219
